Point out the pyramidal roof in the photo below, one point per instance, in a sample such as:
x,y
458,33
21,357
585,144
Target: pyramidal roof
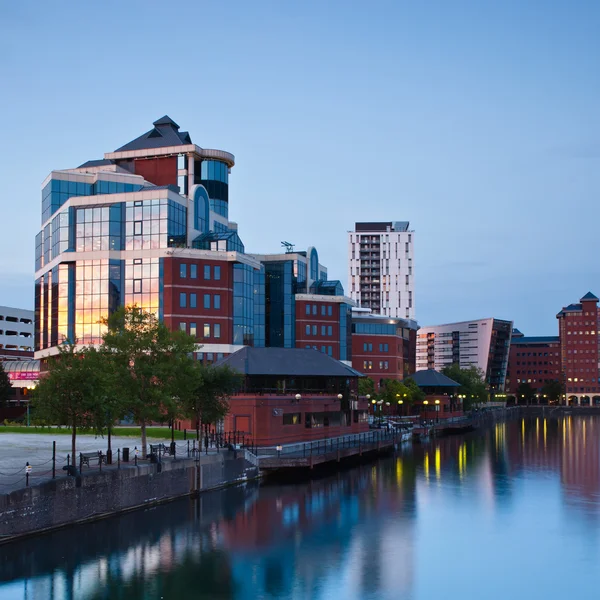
x,y
433,378
589,296
164,133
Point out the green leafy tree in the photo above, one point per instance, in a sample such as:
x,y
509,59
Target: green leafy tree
x,y
525,393
472,383
553,390
71,392
5,386
209,401
151,366
366,386
416,394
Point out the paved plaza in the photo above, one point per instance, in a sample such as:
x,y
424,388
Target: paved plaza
x,y
36,449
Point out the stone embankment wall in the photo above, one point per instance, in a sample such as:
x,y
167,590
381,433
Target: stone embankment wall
x,y
68,500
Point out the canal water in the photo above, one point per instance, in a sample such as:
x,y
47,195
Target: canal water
x,y
509,512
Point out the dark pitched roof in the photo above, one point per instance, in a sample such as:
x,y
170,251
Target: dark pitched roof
x,y
97,163
297,362
544,339
516,333
589,296
165,133
570,308
433,378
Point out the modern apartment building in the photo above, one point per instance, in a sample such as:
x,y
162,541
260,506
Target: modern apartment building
x,y
149,225
579,332
534,360
484,343
381,271
383,347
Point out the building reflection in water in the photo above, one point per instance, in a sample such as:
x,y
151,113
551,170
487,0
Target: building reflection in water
x,y
351,535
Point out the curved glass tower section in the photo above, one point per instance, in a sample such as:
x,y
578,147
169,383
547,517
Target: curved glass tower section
x,y
214,176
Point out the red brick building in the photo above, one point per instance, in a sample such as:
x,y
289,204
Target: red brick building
x,y
578,330
442,399
294,395
532,360
383,347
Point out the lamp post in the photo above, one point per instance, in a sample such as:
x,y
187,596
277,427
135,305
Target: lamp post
x,y
437,411
298,397
380,403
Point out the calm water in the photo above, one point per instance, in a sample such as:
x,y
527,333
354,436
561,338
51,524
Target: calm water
x,y
509,513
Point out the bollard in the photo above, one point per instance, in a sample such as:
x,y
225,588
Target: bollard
x,y
136,455
188,445
27,471
185,434
53,460
68,459
118,458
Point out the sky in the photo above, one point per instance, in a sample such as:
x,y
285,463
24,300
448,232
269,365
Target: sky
x,y
476,121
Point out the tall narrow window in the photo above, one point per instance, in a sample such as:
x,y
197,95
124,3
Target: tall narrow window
x,y
206,330
217,273
217,302
206,300
193,329
217,330
182,300
192,300
206,271
193,271
183,270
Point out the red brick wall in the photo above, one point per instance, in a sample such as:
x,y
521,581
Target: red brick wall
x,y
377,370
159,171
174,284
264,415
579,349
319,320
539,362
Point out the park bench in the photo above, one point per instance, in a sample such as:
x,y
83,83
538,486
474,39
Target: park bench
x,y
89,457
160,449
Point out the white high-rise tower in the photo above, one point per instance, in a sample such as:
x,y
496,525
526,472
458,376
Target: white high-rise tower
x,y
380,268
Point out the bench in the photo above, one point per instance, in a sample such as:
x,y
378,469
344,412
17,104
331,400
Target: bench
x,y
160,449
88,457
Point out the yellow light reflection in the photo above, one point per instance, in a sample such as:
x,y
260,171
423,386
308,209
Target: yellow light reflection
x,y
426,466
461,461
523,431
545,432
399,469
438,463
537,431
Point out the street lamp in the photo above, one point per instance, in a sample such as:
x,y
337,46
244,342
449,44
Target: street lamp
x,y
437,410
380,404
298,397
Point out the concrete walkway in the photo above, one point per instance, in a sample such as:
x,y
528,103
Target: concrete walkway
x,y
16,449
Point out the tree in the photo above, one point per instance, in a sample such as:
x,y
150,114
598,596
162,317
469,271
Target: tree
x,y
209,402
416,394
366,386
151,365
5,386
472,383
553,390
525,393
71,391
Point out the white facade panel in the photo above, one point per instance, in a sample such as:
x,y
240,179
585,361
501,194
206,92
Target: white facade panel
x,y
16,329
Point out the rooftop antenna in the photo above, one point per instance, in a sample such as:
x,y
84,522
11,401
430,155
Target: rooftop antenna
x,y
289,248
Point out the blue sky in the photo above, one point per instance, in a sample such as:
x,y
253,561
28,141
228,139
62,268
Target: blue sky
x,y
476,121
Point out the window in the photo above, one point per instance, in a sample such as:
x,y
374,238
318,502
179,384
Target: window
x,y
206,271
183,270
330,310
192,300
217,273
206,300
193,271
370,347
365,346
137,286
217,301
308,309
183,300
330,350
367,364
182,326
217,330
314,330
323,329
292,419
323,309
193,329
329,330
137,228
308,330
206,330
308,346
314,309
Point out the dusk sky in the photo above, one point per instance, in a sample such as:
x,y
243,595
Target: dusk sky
x,y
478,122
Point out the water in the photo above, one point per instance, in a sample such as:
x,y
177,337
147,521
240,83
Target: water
x,y
509,513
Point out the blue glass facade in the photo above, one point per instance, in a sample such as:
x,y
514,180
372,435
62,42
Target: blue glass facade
x,y
201,210
248,298
214,176
280,309
345,332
